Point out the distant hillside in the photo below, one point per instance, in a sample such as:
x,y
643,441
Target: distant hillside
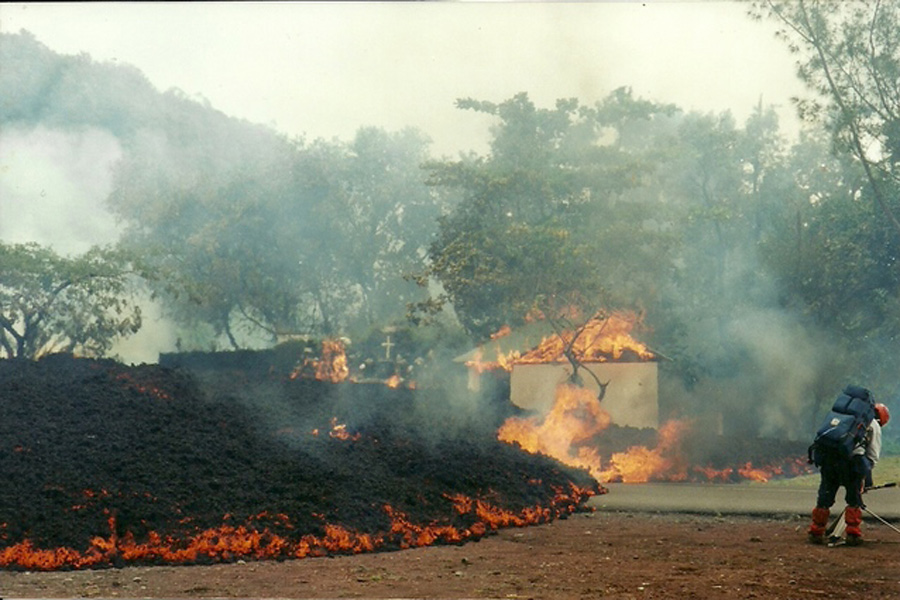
x,y
39,86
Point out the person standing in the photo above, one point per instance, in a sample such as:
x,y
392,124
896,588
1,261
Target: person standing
x,y
853,472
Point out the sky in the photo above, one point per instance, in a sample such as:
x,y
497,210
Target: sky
x,y
325,69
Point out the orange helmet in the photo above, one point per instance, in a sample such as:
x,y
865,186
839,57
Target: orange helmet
x,y
882,414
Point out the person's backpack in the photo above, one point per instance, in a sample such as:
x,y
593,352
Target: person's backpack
x,y
845,426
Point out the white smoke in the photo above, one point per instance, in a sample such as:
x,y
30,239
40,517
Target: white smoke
x,y
53,187
784,366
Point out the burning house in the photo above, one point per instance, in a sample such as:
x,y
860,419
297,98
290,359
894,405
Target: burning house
x,y
590,399
601,356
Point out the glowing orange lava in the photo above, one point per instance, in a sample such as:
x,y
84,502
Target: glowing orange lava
x,y
228,543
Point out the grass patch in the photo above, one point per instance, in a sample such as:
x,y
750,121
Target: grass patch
x,y
886,471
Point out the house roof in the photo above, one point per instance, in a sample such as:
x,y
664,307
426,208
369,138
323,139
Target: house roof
x,y
520,340
593,346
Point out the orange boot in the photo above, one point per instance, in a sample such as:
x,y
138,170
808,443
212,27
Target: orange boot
x,y
854,521
818,525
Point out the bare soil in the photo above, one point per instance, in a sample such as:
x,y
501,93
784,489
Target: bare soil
x,y
588,555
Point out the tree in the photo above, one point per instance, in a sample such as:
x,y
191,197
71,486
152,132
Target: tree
x,y
242,233
849,54
379,217
284,237
544,215
835,259
51,303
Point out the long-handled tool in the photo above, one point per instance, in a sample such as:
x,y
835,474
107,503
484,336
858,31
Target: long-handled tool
x,y
880,519
835,532
879,487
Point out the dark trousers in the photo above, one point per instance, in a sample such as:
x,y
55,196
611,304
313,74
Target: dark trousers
x,y
850,474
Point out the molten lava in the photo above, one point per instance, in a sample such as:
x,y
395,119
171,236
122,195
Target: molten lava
x,y
339,431
252,541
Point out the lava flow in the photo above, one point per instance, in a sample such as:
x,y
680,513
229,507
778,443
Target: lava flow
x,y
109,465
228,543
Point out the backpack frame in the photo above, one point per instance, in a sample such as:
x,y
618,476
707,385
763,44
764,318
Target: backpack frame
x,y
844,427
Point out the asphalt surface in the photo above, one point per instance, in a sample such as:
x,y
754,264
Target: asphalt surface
x,y
734,499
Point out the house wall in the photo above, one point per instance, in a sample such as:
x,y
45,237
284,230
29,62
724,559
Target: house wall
x,y
631,397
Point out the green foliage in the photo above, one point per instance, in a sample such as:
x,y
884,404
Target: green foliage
x,y
282,237
50,303
849,55
736,247
845,227
536,219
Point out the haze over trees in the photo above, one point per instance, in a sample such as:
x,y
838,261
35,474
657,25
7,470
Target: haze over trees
x,y
765,267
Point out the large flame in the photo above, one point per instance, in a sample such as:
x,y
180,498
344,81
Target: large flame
x,y
576,416
567,431
332,366
640,464
600,340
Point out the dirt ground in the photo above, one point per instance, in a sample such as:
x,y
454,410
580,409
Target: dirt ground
x,y
589,555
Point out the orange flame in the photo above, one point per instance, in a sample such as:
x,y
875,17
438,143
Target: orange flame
x,y
640,464
339,431
601,340
227,542
565,434
502,361
143,389
576,416
502,332
331,367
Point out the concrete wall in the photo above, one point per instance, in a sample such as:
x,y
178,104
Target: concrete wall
x,y
631,397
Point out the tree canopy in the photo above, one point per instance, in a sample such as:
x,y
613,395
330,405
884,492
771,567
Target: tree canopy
x,y
849,55
544,215
735,243
50,303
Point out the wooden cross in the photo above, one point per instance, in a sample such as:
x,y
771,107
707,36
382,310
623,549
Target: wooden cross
x,y
387,345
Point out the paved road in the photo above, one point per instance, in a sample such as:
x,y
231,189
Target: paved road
x,y
776,500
